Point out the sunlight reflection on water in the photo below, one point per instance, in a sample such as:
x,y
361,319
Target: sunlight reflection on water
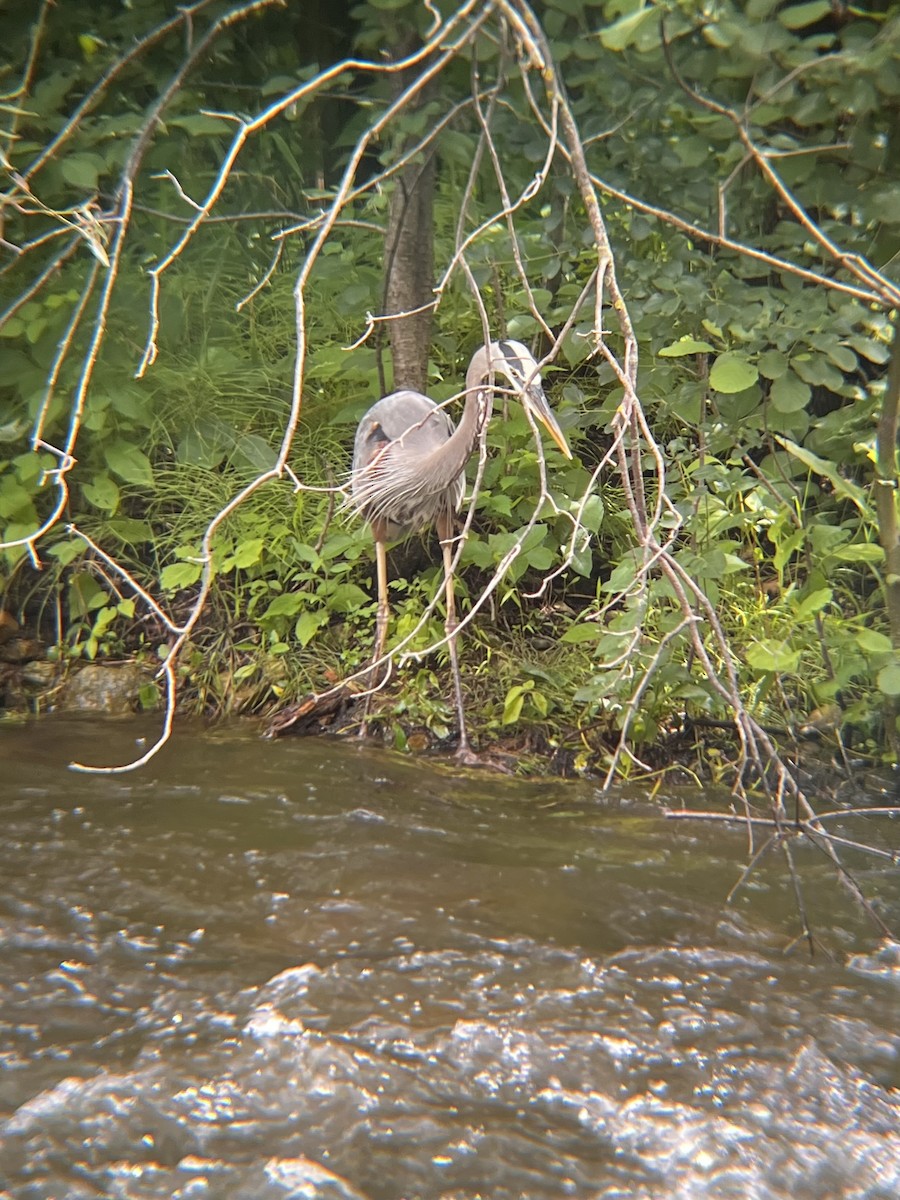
x,y
315,969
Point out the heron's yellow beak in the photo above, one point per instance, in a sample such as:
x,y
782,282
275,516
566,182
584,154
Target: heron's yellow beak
x,y
536,400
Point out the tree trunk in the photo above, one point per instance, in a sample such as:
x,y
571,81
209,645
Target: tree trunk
x,y
409,267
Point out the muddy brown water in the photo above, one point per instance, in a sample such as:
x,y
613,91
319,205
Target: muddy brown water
x,y
314,969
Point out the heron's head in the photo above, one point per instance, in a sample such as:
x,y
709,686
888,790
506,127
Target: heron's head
x,y
517,363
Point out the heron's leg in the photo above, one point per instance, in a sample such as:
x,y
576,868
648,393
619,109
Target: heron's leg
x,y
381,626
445,532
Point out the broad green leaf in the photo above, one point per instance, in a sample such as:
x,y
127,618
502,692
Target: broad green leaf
x,y
540,558
883,204
685,345
816,370
576,634
478,553
200,125
307,554
828,470
798,16
82,170
772,656
514,702
871,348
732,372
813,603
13,327
789,394
248,552
772,364
15,500
889,679
204,446
862,552
102,492
842,357
308,625
129,463
85,594
582,559
67,552
288,604
786,548
872,641
347,598
624,31
179,575
131,531
252,450
592,513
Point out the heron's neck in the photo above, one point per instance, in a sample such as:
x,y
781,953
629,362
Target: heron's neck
x,y
451,459
477,409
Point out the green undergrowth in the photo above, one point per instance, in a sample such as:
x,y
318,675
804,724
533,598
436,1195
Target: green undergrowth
x,y
762,374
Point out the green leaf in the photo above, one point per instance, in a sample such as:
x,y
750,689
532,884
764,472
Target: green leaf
x,y
889,679
89,44
102,492
789,394
308,625
872,641
816,370
82,170
624,31
200,125
798,16
248,552
132,531
179,575
576,634
772,656
813,603
203,446
871,348
286,605
67,552
786,548
685,345
591,514
129,463
347,597
252,451
861,552
828,470
732,372
842,357
772,364
540,558
85,595
515,699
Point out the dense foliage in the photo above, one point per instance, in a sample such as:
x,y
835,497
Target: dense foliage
x,y
746,161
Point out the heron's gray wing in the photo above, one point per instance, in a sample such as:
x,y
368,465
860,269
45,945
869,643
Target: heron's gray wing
x,y
404,416
391,477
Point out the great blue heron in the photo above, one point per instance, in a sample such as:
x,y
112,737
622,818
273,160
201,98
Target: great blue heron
x,y
409,462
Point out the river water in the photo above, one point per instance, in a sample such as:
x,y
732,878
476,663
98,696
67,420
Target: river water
x,y
313,969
